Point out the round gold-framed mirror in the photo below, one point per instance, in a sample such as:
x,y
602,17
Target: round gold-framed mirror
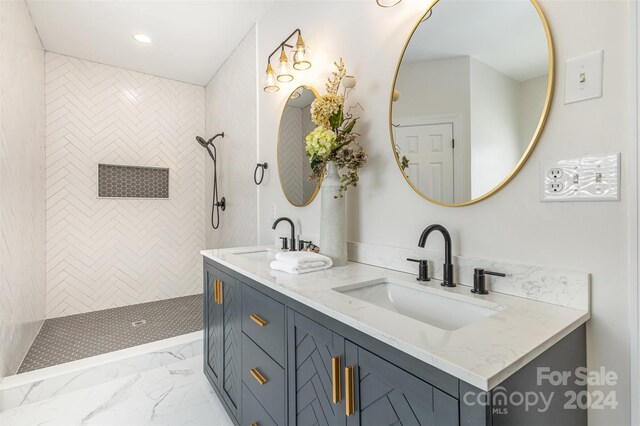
x,y
293,164
470,97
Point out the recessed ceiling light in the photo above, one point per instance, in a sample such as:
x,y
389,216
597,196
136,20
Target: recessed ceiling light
x,y
142,38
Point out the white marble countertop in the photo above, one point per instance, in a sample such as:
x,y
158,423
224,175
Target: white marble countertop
x,y
483,353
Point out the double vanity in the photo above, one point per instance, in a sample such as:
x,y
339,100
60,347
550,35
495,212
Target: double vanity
x,y
367,345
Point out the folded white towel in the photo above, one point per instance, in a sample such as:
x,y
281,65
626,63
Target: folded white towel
x,y
303,258
293,269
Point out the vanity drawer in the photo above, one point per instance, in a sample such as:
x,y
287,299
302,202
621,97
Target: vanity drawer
x,y
253,413
264,378
263,321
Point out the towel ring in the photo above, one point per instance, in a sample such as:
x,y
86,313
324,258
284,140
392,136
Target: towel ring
x,y
260,166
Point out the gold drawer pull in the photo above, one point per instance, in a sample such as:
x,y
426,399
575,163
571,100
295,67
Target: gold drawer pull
x,y
258,376
348,386
255,318
255,424
335,378
217,292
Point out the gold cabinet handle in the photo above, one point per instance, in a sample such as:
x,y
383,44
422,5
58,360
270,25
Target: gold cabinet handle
x,y
258,376
348,386
335,378
255,318
255,424
218,292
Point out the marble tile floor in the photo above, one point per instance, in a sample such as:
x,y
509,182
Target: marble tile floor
x,y
174,394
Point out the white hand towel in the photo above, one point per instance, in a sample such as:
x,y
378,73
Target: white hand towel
x,y
303,258
292,269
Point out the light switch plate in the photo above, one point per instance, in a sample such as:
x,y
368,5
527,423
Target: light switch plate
x,y
589,178
583,77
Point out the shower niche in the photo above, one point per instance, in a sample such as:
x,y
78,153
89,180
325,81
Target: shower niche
x,y
137,182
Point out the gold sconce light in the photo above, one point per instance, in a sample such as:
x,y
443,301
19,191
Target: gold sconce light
x,y
270,81
300,60
301,55
284,69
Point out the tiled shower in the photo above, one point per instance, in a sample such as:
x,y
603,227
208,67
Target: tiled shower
x,y
104,253
123,195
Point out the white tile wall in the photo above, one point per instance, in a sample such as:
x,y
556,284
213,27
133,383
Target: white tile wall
x,y
22,184
231,108
104,253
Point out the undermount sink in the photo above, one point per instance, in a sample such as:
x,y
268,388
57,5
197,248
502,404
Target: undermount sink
x,y
258,254
430,306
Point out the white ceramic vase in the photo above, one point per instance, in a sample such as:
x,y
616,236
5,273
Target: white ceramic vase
x,y
333,218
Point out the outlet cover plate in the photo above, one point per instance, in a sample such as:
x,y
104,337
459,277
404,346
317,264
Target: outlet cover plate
x,y
589,178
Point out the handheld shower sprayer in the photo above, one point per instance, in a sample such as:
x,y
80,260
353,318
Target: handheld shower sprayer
x,y
218,204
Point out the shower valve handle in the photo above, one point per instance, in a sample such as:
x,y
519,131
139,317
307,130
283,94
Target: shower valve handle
x,y
222,204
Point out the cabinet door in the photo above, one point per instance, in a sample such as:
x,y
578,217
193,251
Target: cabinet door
x,y
223,335
213,331
313,349
231,355
385,394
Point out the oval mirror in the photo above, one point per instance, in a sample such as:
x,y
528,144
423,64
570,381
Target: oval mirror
x,y
293,164
471,95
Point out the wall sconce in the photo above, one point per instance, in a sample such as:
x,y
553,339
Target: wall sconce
x,y
387,3
270,81
284,69
300,57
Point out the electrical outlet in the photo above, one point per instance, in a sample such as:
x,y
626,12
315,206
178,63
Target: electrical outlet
x,y
589,178
555,173
556,187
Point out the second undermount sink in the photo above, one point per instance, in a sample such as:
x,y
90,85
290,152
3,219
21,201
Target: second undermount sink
x,y
435,307
257,254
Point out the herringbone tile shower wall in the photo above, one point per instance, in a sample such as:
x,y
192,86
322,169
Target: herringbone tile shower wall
x,y
104,253
231,108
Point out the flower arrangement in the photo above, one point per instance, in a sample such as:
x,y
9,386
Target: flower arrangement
x,y
334,139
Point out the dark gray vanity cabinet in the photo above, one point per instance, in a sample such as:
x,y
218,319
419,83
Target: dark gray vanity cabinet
x,y
316,368
385,394
333,381
275,361
222,335
263,359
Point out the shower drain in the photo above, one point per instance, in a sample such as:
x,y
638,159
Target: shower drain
x,y
138,323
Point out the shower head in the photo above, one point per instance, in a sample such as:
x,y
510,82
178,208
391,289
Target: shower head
x,y
204,143
201,141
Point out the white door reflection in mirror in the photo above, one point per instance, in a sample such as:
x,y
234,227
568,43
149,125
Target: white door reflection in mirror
x,y
429,151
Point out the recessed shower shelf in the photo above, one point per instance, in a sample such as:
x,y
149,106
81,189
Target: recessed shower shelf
x,y
138,182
